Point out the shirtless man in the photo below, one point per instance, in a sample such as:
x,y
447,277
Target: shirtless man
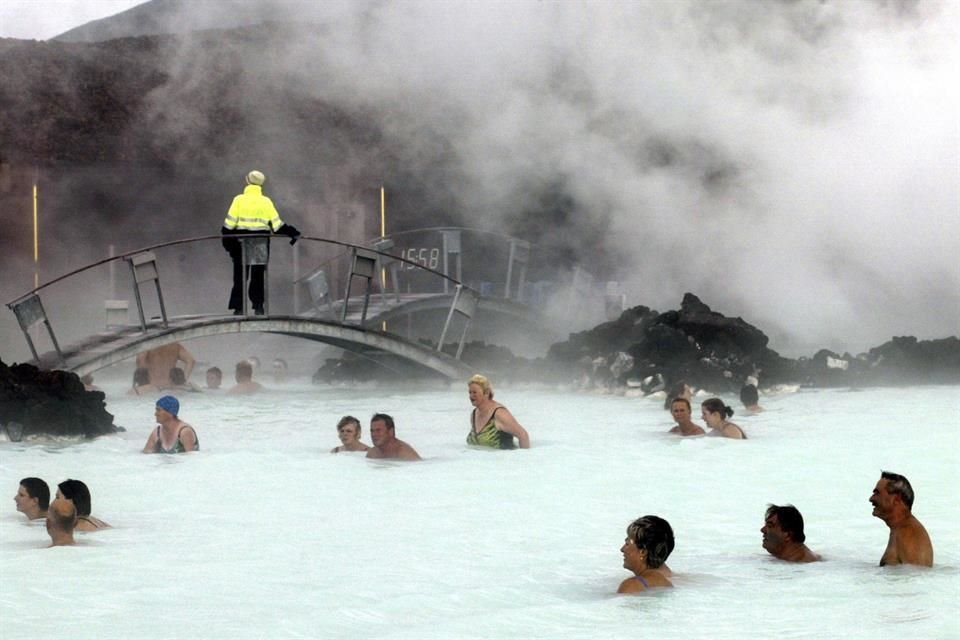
x,y
681,411
159,361
244,377
61,520
172,435
892,501
385,442
783,535
33,498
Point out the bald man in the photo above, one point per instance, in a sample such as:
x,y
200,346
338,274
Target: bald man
x,y
61,520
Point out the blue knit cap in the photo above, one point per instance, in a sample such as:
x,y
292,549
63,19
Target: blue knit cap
x,y
169,404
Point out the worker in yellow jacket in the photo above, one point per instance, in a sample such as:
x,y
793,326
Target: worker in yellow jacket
x,y
251,212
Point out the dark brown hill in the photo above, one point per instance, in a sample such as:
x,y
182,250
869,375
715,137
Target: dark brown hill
x,y
159,17
149,136
160,100
76,103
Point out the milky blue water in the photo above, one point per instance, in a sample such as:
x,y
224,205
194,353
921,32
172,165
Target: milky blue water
x,y
263,534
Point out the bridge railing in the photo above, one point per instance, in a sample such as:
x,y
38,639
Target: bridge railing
x,y
498,261
178,279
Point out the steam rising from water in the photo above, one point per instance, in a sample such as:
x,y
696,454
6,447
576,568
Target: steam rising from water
x,y
795,163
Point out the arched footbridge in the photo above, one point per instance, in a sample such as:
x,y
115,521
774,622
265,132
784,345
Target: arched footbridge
x,y
353,294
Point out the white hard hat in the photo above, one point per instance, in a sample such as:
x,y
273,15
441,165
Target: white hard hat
x,y
256,177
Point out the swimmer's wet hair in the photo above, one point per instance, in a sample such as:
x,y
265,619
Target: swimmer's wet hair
x,y
898,485
790,520
244,370
37,488
716,405
78,493
683,400
654,534
484,383
748,395
345,420
383,418
177,376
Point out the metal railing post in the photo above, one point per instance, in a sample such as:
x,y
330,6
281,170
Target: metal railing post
x,y
464,303
362,264
30,312
519,253
143,266
451,244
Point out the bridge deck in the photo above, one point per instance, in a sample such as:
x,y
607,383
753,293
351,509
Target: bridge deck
x,y
109,347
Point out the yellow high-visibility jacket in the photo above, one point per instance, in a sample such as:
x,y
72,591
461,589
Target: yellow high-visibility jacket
x,y
252,211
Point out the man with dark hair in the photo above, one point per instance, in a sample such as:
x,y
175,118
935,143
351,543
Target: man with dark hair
x,y
892,501
178,381
244,377
214,378
783,535
385,442
33,498
750,398
681,411
61,520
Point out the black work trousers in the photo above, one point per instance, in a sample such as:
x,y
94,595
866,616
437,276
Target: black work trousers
x,y
255,275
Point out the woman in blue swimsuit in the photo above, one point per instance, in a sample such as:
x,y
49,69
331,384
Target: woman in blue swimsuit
x,y
646,548
172,435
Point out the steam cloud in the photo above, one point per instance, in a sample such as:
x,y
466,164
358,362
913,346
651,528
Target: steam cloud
x,y
795,163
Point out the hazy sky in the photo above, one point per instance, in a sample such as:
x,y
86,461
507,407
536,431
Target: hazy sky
x,y
44,19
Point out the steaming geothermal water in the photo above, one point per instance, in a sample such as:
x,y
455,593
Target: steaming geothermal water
x,y
263,534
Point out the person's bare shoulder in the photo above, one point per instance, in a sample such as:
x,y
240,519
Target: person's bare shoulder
x,y
733,431
914,546
189,437
407,452
630,585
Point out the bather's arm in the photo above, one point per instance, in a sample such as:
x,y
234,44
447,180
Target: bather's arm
x,y
506,422
151,446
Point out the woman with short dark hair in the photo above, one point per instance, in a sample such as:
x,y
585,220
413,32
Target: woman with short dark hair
x,y
646,548
78,493
715,414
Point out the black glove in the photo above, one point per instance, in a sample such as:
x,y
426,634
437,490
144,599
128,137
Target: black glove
x,y
290,230
230,242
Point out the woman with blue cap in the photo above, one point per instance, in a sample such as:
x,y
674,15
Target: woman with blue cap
x,y
172,435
